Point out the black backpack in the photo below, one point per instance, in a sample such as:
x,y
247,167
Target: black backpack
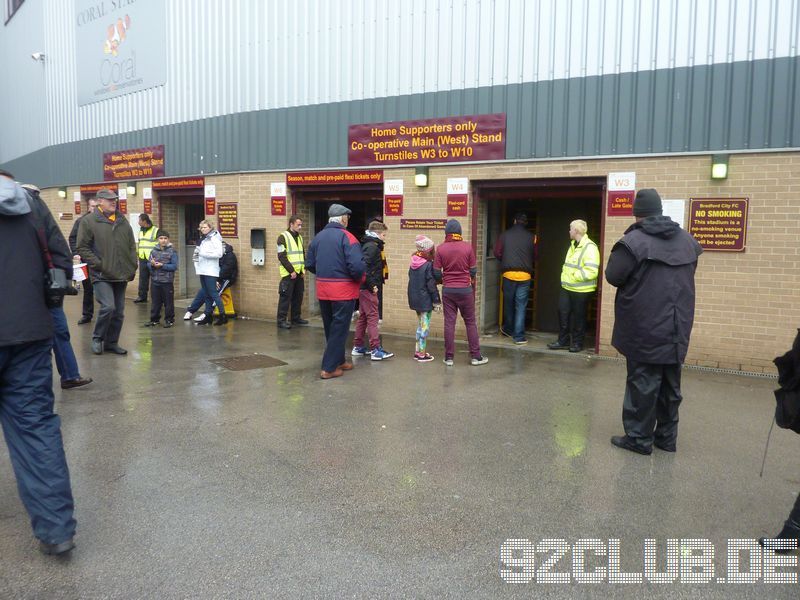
x,y
787,411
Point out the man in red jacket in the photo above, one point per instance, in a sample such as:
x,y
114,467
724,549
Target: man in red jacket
x,y
335,257
455,267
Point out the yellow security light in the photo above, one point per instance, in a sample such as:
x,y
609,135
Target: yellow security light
x,y
62,192
421,177
131,189
719,166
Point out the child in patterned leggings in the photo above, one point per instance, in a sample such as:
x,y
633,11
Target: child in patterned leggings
x,y
423,295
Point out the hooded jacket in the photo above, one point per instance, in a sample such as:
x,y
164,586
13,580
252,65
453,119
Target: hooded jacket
x,y
108,247
25,317
228,265
653,268
422,290
208,253
372,249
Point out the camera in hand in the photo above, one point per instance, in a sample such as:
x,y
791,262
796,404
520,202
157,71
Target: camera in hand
x,y
56,286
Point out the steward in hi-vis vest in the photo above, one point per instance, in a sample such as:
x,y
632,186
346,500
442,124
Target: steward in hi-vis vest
x,y
291,265
578,281
148,239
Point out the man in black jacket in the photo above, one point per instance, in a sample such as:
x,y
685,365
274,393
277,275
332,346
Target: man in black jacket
x,y
368,316
515,249
653,268
88,290
32,430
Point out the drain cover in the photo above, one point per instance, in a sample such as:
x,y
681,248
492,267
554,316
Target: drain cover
x,y
247,362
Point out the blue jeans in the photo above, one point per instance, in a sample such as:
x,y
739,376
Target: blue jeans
x,y
208,294
66,363
33,436
515,302
336,317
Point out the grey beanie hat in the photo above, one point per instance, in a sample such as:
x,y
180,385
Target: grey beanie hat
x,y
337,210
647,203
452,226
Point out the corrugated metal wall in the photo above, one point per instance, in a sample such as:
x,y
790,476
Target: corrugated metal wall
x,y
247,55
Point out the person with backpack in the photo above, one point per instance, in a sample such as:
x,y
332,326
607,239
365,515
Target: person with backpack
x,y
228,273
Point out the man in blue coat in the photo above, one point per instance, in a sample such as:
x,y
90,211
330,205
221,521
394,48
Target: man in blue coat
x,y
335,257
653,268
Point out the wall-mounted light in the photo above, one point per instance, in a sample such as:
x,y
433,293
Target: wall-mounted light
x,y
719,166
62,192
131,189
38,56
421,177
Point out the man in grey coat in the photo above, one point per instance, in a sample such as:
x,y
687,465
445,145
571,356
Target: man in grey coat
x,y
653,268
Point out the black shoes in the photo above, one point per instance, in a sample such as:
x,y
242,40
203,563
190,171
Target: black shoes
x,y
116,349
665,446
576,348
787,533
97,346
168,324
68,384
84,320
220,319
558,345
626,443
152,324
284,325
140,300
56,549
299,322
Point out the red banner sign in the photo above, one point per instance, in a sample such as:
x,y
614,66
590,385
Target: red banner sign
x,y
123,206
457,205
148,206
719,224
179,183
452,139
423,223
620,203
136,163
211,206
93,188
392,206
228,219
334,178
77,207
278,206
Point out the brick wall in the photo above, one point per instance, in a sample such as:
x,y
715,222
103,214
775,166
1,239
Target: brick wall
x,y
748,308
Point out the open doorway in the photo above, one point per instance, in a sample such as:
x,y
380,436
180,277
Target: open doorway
x,y
366,204
181,213
550,204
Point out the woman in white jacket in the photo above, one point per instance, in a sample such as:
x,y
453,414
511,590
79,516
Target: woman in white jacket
x,y
206,265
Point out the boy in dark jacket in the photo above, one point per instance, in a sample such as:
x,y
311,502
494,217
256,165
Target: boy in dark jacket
x,y
228,273
423,295
371,247
163,263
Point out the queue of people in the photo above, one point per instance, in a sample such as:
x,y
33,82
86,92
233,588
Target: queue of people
x,y
652,266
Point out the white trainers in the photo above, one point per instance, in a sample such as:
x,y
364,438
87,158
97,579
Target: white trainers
x,y
187,316
479,361
448,362
201,318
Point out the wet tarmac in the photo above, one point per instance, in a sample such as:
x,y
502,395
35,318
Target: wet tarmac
x,y
398,479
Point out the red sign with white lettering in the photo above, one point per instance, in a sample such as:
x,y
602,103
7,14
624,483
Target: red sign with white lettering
x,y
77,207
620,204
148,206
211,206
334,178
123,206
392,206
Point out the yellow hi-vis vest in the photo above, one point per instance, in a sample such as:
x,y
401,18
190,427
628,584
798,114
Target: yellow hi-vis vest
x,y
295,254
147,241
581,266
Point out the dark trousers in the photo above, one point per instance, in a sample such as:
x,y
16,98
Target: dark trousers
x,y
144,278
465,304
33,435
572,304
208,294
515,302
652,398
336,317
88,298
162,294
111,298
290,295
66,363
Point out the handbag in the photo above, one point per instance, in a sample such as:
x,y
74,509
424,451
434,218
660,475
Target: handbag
x,y
56,284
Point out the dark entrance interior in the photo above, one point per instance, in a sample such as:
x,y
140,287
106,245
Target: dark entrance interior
x,y
550,204
180,213
366,205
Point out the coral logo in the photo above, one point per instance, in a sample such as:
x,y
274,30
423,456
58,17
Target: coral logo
x,y
115,35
